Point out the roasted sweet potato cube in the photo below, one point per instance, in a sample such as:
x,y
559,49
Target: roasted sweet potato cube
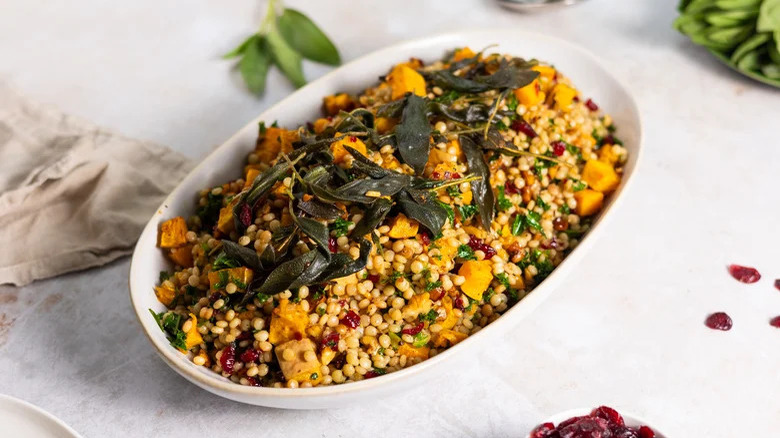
x,y
288,321
173,233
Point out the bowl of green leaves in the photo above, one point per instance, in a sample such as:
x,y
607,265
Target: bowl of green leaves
x,y
744,34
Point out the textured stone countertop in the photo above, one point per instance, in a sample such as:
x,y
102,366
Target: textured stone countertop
x,y
625,329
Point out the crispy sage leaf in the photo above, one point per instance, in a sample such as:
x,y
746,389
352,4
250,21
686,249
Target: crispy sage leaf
x,y
320,210
313,272
246,256
285,57
261,186
306,38
342,265
285,274
315,230
423,207
507,76
372,217
413,133
483,193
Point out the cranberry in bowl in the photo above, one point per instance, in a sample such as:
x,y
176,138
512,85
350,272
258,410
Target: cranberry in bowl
x,y
600,422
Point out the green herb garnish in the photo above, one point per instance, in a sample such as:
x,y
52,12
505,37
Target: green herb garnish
x,y
502,202
282,40
340,227
466,253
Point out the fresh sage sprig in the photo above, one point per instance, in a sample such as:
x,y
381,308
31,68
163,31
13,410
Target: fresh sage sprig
x,y
745,34
283,40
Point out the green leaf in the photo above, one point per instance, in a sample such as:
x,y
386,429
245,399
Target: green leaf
x,y
466,211
340,227
285,57
307,38
533,219
769,16
502,202
254,65
315,230
413,133
372,217
518,225
483,194
749,45
466,253
241,47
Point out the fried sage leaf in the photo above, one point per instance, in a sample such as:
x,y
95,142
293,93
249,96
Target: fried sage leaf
x,y
320,210
284,275
507,76
246,256
315,270
423,206
315,230
483,193
413,133
372,217
342,265
244,208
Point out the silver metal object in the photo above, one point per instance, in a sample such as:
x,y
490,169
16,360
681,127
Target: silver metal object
x,y
530,5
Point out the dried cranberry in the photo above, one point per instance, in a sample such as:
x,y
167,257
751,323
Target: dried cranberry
x,y
558,147
777,284
330,340
608,139
459,303
576,98
560,224
544,430
413,330
332,245
478,244
646,432
252,381
585,427
374,278
244,336
521,125
551,244
371,374
245,215
624,432
775,322
744,274
228,358
436,175
591,105
425,238
455,175
510,188
352,139
608,414
719,321
249,355
339,360
351,319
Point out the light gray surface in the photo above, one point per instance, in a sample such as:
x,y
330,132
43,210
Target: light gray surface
x,y
626,329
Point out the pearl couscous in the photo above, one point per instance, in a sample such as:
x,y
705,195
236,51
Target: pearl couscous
x,y
405,219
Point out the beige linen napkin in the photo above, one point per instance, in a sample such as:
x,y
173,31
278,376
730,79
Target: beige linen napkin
x,y
72,195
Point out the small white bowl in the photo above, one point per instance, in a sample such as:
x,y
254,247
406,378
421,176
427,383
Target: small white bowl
x,y
630,419
226,162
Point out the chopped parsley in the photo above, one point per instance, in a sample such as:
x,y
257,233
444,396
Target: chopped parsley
x,y
393,277
164,275
488,294
224,262
421,339
579,185
340,227
533,220
503,203
314,376
171,323
380,351
448,97
466,253
540,202
432,285
540,165
430,316
511,102
453,191
564,209
518,225
501,126
262,298
467,211
504,280
450,212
